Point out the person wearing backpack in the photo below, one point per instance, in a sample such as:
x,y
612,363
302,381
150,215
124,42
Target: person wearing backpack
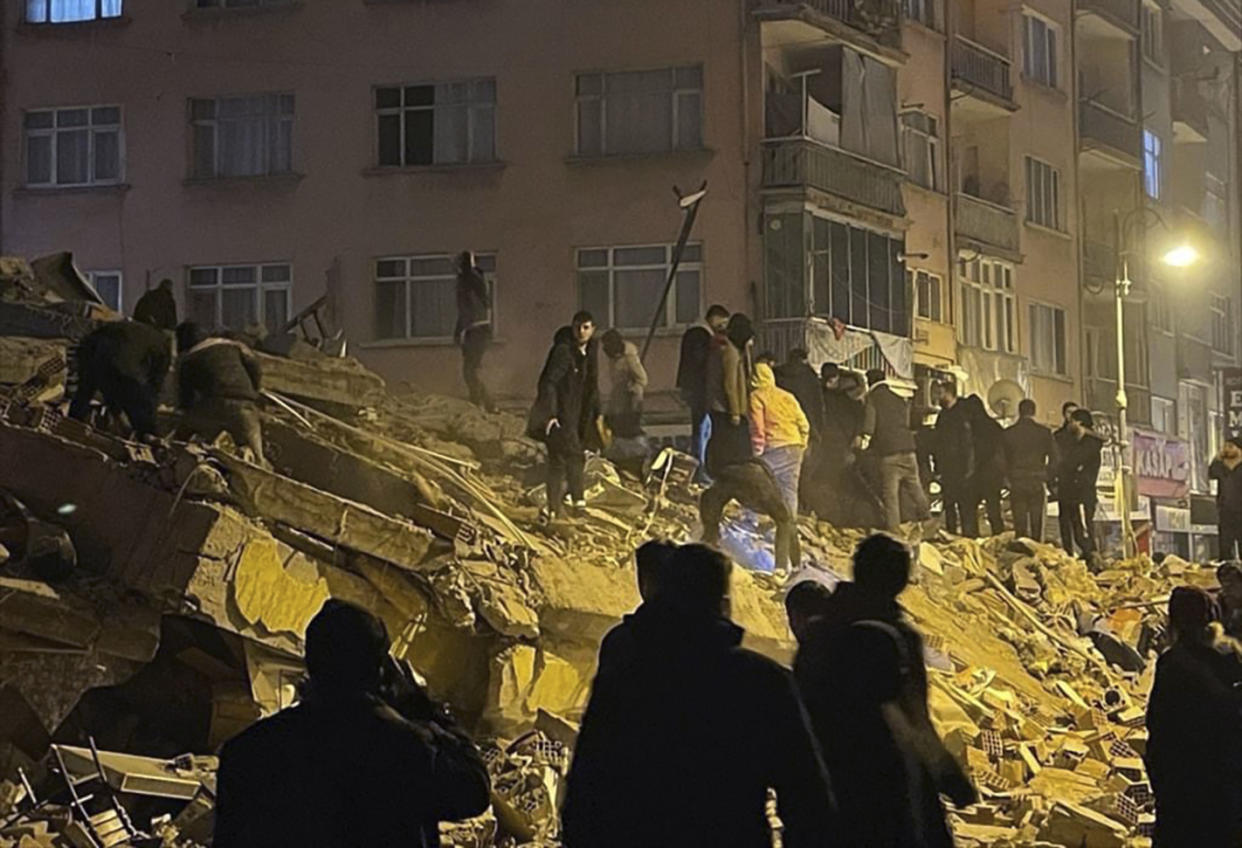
x,y
860,670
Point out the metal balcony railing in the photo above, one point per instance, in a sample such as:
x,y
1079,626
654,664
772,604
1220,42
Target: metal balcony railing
x,y
981,68
1101,395
880,19
1124,12
800,162
1106,128
986,222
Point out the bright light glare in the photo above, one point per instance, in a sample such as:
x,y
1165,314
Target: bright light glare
x,y
1181,256
66,509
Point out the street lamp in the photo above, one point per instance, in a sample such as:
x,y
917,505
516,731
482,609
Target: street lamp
x,y
1181,256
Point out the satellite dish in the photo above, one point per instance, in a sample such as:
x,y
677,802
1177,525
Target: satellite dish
x,y
1004,397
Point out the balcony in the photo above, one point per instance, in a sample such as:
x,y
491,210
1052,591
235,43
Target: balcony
x,y
1101,395
1099,261
1121,13
982,73
859,347
1109,134
985,223
803,163
877,19
1190,111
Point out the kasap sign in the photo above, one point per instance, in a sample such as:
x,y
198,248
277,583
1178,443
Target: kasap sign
x,y
1161,464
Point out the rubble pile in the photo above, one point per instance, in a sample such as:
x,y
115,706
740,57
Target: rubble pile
x,y
172,613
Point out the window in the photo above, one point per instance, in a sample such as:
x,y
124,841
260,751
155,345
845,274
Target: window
x,y
1163,415
640,111
1215,203
1043,194
248,136
921,148
858,276
416,296
927,296
108,286
1222,324
1039,56
1153,33
237,296
1153,169
73,147
922,11
442,124
621,286
1047,333
70,11
987,304
1192,425
240,4
1158,309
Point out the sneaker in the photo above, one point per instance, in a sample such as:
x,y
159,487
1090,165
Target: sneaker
x,y
580,504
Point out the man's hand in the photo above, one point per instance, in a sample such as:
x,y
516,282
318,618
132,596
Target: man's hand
x,y
552,422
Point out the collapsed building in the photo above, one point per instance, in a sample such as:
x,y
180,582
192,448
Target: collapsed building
x,y
155,599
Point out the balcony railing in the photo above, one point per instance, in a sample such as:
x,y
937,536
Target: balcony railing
x,y
1104,127
1124,12
981,68
1228,12
1190,107
1099,260
800,162
1101,395
880,19
986,222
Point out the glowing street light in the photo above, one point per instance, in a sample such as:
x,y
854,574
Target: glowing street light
x,y
1182,256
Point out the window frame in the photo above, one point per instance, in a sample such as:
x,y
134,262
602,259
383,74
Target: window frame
x,y
1221,308
1168,415
91,277
488,257
1050,75
932,147
1159,313
1151,38
215,123
997,319
611,268
1053,313
259,286
49,4
52,132
400,111
229,5
1153,164
1045,177
675,96
920,11
935,281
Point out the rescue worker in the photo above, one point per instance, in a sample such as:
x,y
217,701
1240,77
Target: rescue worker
x,y
886,427
728,379
125,362
474,327
953,455
698,344
219,382
752,484
158,307
1030,460
1226,470
1077,475
627,382
779,432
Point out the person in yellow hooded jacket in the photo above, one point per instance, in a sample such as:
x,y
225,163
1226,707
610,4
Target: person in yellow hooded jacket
x,y
779,431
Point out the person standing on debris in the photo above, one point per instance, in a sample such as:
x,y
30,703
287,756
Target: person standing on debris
x,y
219,384
158,307
779,432
365,758
565,416
686,731
860,670
125,362
989,463
1077,474
1226,470
826,493
728,379
1030,458
890,439
753,485
627,384
797,377
698,345
1194,722
474,326
953,456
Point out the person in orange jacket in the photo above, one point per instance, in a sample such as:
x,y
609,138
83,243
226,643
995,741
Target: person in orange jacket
x,y
779,431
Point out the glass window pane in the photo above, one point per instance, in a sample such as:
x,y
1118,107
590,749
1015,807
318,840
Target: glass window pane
x,y
593,296
639,255
204,276
105,115
637,294
238,275
839,271
390,310
36,11
420,95
483,91
878,291
238,308
486,262
242,147
638,112
275,309
419,137
107,156
689,121
39,120
858,278
39,159
692,253
390,268
590,84
203,308
72,117
204,151
590,130
689,77
687,294
73,157
451,142
433,308
432,266
280,147
389,139
202,110
387,98
483,134
452,92
275,273
592,258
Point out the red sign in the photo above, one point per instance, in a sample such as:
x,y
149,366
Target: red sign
x,y
1161,464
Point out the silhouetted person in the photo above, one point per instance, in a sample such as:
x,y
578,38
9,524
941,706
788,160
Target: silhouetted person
x,y
219,382
797,377
828,493
627,383
126,362
474,326
158,307
1229,599
698,345
685,732
1194,722
365,758
651,561
1030,460
953,457
989,465
1226,470
566,410
728,386
752,484
1077,474
886,423
806,603
1063,437
861,673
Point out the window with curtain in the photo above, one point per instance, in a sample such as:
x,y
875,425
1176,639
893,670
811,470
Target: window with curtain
x,y
920,135
928,296
857,276
629,112
1039,56
247,136
436,124
416,296
1043,194
987,304
73,147
70,11
1047,337
621,286
238,296
869,107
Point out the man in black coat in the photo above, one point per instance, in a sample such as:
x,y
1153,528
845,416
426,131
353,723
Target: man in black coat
x,y
696,350
1030,459
953,455
219,383
158,307
1226,470
126,362
989,462
365,758
473,331
686,731
566,411
797,377
887,424
1077,474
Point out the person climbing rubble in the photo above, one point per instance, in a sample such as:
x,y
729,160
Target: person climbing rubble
x,y
125,362
779,433
473,331
1030,458
627,383
699,344
861,673
890,440
1226,470
365,758
158,307
755,487
219,382
685,732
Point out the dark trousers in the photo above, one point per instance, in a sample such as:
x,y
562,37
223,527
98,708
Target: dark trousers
x,y
1029,504
960,508
987,492
755,490
1077,520
698,434
565,462
121,394
238,418
729,443
474,342
1229,537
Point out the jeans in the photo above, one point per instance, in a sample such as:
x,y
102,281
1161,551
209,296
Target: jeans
x,y
753,488
565,465
1029,504
1077,520
899,475
785,463
474,342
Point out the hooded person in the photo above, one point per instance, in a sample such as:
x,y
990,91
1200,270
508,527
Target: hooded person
x,y
728,381
125,362
779,432
1226,470
158,307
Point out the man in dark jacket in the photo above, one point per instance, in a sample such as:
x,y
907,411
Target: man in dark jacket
x,y
359,761
1077,474
696,350
989,462
861,673
1030,458
953,456
797,377
566,411
219,382
126,362
1226,470
158,307
686,731
474,326
886,423
753,485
